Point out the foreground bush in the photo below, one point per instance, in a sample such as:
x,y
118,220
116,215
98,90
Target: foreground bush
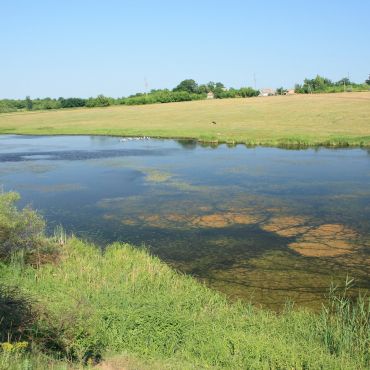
x,y
22,232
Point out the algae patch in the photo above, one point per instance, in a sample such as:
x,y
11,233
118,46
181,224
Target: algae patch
x,y
328,240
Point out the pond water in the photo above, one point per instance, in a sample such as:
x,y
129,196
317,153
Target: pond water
x,y
261,224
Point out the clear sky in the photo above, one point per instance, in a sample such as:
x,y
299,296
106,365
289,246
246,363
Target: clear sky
x,y
87,47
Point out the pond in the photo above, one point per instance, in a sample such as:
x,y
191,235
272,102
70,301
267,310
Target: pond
x,y
265,225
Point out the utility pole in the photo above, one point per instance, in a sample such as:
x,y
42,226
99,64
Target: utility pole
x,y
254,81
146,86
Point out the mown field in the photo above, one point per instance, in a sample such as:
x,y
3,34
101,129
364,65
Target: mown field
x,y
323,119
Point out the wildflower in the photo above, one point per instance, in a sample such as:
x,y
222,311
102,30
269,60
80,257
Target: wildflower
x,y
7,347
20,345
10,347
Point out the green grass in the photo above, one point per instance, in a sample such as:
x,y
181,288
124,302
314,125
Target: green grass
x,y
124,301
301,120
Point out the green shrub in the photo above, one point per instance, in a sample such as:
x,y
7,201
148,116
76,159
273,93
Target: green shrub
x,y
22,232
16,315
99,101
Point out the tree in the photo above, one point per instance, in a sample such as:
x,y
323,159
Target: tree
x,y
203,89
187,85
281,91
20,229
317,84
247,92
71,102
368,80
99,101
219,86
29,103
344,81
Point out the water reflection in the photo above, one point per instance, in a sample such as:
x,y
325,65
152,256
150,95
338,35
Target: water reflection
x,y
261,223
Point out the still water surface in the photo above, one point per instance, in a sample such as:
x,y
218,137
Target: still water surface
x,y
261,224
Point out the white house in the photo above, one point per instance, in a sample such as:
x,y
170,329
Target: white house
x,y
267,92
210,95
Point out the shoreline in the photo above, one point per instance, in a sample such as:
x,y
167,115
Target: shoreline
x,y
287,143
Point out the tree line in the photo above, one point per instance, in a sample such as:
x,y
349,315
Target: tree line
x,y
186,90
321,84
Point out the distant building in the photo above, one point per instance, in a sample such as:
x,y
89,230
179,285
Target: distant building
x,y
267,92
290,92
210,95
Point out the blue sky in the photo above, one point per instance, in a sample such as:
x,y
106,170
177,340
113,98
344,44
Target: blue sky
x,y
84,48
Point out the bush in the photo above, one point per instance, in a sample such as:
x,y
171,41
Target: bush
x,y
16,315
247,92
72,102
43,104
99,101
22,232
161,96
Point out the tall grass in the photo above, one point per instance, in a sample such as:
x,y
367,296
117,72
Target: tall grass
x,y
126,301
345,324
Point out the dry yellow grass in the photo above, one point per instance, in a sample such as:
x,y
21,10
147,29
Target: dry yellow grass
x,y
327,119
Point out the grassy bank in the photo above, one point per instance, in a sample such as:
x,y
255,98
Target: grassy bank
x,y
126,302
307,120
72,304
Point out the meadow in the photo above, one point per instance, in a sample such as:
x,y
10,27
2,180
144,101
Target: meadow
x,y
338,119
66,304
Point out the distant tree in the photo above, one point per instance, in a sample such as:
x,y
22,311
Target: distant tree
x,y
281,91
211,86
71,102
344,81
219,85
247,92
368,81
187,85
102,101
29,103
99,101
317,84
203,89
